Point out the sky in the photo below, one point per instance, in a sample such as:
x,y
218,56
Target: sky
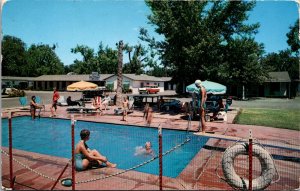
x,y
68,23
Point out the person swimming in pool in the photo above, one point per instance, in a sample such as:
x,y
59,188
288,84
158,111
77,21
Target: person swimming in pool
x,y
84,156
146,150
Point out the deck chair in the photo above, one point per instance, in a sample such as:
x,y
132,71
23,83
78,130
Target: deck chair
x,y
23,102
74,109
81,109
61,101
38,99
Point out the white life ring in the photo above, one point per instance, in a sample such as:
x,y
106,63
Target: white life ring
x,y
266,162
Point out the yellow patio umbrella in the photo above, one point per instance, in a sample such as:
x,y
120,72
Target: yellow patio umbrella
x,y
82,86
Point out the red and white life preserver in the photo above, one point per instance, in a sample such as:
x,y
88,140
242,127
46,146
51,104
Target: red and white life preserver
x,y
267,167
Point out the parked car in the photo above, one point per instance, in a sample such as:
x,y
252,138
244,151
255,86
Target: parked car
x,y
8,90
152,89
171,105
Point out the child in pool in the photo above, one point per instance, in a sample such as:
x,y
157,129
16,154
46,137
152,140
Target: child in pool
x,y
146,150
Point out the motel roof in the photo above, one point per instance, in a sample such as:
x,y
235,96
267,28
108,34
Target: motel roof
x,y
143,77
278,77
73,77
86,77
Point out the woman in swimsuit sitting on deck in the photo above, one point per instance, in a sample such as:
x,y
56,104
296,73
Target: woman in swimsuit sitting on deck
x,y
84,156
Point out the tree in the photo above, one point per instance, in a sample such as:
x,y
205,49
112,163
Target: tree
x,y
243,63
41,60
137,55
197,35
293,37
107,59
89,62
14,62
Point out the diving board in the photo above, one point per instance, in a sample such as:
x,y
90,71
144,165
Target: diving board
x,y
232,138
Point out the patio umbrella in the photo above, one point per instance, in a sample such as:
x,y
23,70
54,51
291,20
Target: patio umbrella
x,y
211,88
82,86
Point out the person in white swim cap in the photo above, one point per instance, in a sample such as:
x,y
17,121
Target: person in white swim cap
x,y
201,97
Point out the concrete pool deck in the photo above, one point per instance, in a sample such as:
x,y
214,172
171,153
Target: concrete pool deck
x,y
200,174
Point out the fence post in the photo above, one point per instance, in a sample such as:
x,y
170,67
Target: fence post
x,y
160,156
250,159
73,162
10,150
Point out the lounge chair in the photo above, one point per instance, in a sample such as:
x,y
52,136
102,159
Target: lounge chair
x,y
38,100
23,101
61,101
81,109
90,109
74,109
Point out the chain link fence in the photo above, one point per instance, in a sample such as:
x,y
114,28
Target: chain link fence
x,y
42,149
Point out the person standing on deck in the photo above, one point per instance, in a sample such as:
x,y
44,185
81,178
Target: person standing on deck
x,y
125,108
201,98
55,97
149,116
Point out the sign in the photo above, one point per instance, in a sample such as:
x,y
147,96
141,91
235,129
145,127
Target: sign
x,y
95,76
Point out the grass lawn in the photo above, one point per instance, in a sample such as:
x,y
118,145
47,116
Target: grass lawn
x,y
279,118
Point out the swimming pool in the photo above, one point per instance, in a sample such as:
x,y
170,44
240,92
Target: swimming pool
x,y
117,142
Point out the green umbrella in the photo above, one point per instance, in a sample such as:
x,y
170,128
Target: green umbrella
x,y
211,88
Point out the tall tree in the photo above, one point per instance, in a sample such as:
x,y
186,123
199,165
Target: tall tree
x,y
197,34
293,37
243,63
42,59
14,62
107,59
88,64
137,55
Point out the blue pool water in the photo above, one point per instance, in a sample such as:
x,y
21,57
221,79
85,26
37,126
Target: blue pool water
x,y
117,142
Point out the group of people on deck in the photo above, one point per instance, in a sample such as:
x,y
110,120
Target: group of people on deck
x,y
34,105
98,103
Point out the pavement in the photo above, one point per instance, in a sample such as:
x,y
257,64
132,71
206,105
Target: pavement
x,y
201,173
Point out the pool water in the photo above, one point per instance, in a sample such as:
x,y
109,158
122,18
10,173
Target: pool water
x,y
117,142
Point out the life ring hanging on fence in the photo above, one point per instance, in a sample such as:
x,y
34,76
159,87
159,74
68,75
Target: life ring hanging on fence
x,y
267,167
